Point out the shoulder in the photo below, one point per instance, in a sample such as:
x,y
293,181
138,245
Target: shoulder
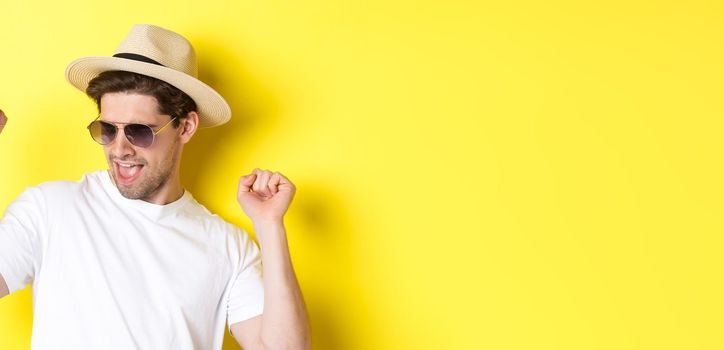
x,y
55,189
39,198
197,212
229,239
61,193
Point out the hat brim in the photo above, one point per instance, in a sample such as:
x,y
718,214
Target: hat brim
x,y
212,108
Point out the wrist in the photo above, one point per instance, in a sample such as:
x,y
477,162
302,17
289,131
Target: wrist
x,y
268,224
270,233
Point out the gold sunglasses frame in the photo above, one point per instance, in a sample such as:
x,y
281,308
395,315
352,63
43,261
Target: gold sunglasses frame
x,y
154,132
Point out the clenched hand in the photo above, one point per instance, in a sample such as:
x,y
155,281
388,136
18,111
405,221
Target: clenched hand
x,y
265,196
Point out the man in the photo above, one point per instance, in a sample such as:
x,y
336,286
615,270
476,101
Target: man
x,y
126,258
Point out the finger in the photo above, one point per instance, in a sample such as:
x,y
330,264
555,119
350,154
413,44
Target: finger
x,y
245,182
264,183
255,185
284,183
274,182
257,174
260,185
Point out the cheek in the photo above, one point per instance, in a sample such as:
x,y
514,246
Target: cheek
x,y
160,158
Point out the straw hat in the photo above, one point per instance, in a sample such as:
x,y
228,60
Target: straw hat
x,y
158,53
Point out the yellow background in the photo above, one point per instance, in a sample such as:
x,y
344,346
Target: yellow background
x,y
471,174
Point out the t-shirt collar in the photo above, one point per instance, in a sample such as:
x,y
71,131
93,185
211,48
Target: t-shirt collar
x,y
152,209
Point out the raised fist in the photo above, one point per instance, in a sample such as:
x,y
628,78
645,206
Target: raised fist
x,y
265,195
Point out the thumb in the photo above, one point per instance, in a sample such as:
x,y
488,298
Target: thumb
x,y
245,182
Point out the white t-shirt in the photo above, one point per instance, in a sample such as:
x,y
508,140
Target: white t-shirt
x,y
113,273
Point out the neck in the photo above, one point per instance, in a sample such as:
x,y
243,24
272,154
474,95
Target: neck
x,y
169,192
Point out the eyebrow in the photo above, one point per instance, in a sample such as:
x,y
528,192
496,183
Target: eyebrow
x,y
152,125
112,122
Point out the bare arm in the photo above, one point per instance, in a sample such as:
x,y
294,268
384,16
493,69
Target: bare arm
x,y
265,196
283,324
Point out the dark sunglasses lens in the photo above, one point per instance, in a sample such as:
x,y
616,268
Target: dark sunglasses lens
x,y
139,135
102,132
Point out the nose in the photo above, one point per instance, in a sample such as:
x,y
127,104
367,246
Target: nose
x,y
120,147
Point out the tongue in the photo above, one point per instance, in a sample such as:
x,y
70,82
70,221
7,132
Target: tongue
x,y
128,172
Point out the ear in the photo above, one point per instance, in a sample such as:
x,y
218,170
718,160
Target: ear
x,y
188,126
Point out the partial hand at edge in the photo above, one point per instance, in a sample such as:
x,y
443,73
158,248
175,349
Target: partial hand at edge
x,y
3,120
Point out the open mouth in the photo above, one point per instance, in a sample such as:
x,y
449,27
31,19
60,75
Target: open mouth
x,y
127,173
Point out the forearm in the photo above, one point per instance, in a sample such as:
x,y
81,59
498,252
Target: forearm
x,y
284,322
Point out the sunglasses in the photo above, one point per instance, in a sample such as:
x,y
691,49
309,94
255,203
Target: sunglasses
x,y
140,135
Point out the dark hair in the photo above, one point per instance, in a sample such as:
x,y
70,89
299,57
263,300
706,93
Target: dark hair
x,y
171,101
